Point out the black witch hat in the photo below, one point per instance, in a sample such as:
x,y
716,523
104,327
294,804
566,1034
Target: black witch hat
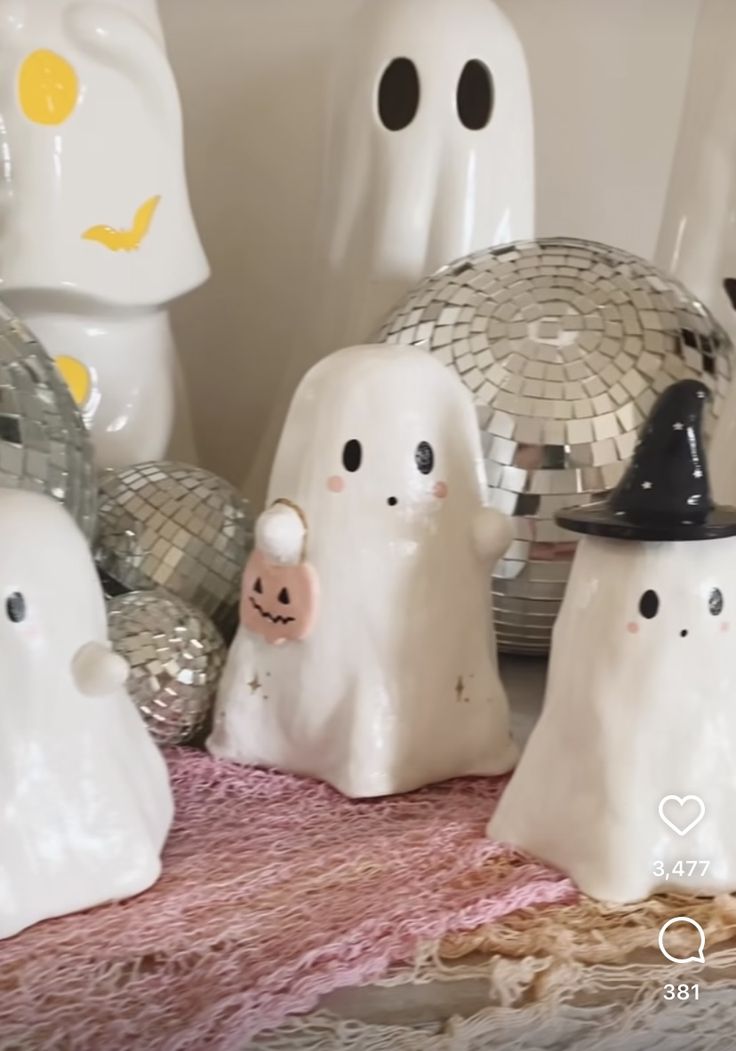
x,y
665,493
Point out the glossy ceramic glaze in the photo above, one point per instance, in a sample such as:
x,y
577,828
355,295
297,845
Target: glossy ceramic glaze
x,y
85,804
429,156
639,706
126,379
394,687
431,152
97,234
697,241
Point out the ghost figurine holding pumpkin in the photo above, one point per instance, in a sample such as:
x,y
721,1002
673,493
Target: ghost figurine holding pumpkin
x,y
366,655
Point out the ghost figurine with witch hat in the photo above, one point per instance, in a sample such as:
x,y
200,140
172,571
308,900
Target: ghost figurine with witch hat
x,y
97,235
639,712
365,655
85,803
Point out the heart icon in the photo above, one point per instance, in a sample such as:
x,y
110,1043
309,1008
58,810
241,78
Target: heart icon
x,y
676,806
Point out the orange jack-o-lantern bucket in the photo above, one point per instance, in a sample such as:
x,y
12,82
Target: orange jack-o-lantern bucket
x,y
279,602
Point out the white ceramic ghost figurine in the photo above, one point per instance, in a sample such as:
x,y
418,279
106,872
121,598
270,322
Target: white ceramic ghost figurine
x,y
96,230
366,655
429,156
639,712
697,240
431,153
85,804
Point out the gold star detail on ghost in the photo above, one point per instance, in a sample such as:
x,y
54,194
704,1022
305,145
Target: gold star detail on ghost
x,y
459,687
254,684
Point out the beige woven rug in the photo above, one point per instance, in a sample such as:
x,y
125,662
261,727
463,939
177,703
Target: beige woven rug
x,y
582,976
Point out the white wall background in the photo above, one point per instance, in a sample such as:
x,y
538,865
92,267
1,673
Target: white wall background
x,y
608,78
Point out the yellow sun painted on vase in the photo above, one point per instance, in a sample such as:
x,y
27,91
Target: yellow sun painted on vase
x,y
125,240
77,378
48,88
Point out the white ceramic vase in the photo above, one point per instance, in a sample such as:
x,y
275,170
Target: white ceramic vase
x,y
429,156
697,241
97,235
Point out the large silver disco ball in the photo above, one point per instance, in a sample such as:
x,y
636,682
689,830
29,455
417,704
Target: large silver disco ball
x,y
176,527
176,656
565,345
44,445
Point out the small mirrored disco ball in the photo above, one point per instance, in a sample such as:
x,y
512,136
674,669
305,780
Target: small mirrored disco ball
x,y
564,345
176,527
44,445
176,656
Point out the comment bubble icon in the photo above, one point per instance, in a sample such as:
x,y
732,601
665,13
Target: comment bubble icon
x,y
688,955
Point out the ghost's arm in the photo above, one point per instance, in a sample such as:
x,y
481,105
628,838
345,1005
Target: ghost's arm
x,y
280,534
97,671
492,534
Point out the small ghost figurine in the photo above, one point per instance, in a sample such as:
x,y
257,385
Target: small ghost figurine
x,y
85,803
365,655
628,782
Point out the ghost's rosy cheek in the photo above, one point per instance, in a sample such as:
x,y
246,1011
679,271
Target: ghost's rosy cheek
x,y
725,626
440,490
632,627
335,483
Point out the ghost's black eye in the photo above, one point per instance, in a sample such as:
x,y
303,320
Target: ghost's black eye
x,y
284,597
649,604
475,95
398,94
15,607
715,601
424,457
258,586
352,455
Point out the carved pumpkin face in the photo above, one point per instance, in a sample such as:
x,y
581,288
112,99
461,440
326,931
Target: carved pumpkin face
x,y
278,602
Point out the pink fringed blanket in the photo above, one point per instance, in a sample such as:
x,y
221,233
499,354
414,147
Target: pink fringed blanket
x,y
275,890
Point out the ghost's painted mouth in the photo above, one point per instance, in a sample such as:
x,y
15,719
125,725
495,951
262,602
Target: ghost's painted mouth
x,y
683,633
274,618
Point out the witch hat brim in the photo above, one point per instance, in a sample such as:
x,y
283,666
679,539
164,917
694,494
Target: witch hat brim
x,y
598,520
665,492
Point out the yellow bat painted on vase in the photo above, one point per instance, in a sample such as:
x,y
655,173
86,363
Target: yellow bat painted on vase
x,y
125,240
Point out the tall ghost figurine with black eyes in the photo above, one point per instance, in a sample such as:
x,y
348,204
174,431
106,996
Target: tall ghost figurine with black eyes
x,y
431,153
365,655
639,712
96,230
429,156
85,803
